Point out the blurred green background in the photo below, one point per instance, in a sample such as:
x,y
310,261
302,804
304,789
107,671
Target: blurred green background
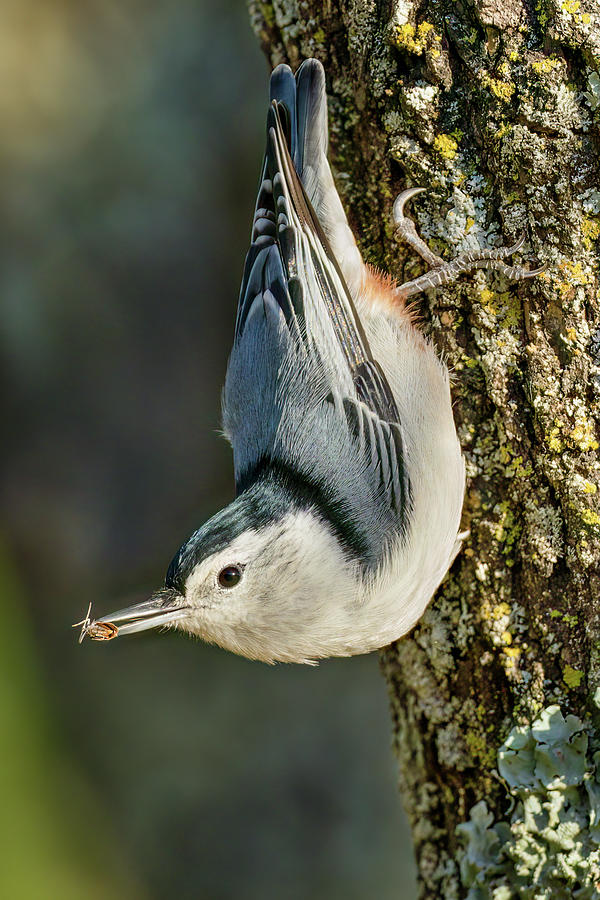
x,y
153,767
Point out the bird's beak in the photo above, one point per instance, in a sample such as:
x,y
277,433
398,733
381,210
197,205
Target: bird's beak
x,y
163,608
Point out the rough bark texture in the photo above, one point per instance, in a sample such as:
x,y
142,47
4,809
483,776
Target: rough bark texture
x,y
494,107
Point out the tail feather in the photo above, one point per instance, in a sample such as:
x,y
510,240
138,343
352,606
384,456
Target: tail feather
x,y
305,99
282,88
311,113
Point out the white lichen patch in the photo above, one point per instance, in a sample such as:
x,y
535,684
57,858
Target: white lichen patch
x,y
287,15
560,109
549,846
577,484
451,747
403,11
464,226
482,571
498,618
436,637
421,95
515,217
543,534
590,201
395,124
593,94
407,151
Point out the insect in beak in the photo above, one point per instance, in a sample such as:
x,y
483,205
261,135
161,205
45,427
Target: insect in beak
x,y
163,608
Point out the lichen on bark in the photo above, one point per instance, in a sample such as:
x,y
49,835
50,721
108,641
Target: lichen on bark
x,y
494,107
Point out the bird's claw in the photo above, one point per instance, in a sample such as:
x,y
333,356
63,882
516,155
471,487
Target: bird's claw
x,y
441,272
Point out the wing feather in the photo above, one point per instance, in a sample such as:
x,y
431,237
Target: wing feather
x,y
312,335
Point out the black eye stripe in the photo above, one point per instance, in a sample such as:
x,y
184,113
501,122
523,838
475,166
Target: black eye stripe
x,y
229,576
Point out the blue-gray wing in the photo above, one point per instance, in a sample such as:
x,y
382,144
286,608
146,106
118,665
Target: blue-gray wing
x,y
302,387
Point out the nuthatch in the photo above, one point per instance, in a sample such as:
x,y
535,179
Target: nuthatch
x,y
349,474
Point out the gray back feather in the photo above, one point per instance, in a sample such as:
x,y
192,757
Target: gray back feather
x,y
302,388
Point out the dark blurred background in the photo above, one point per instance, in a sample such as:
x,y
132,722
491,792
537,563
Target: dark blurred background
x,y
153,767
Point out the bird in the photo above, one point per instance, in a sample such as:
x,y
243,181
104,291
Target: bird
x,y
349,473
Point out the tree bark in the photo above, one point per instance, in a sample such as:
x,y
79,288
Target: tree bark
x,y
494,107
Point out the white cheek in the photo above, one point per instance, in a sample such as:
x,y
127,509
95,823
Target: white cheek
x,y
202,594
200,584
209,600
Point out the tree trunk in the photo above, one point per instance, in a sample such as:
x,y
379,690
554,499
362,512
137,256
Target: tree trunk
x,y
494,107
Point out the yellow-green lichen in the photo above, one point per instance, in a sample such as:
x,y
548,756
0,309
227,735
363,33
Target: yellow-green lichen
x,y
500,610
445,145
486,297
415,39
508,529
553,441
576,275
567,618
480,748
503,90
572,677
545,65
590,517
502,302
583,435
502,131
268,14
590,230
517,469
513,312
549,848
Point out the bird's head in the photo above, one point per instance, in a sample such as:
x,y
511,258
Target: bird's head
x,y
260,578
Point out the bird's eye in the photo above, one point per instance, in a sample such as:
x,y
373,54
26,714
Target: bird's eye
x,y
229,576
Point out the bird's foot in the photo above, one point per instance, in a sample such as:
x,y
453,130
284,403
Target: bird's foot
x,y
441,272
